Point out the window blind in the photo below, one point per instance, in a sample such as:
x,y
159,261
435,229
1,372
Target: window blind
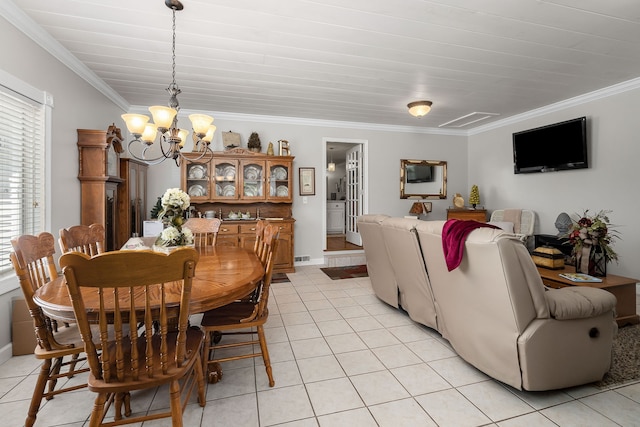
x,y
21,170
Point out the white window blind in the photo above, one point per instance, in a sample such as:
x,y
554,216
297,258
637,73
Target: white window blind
x,y
21,170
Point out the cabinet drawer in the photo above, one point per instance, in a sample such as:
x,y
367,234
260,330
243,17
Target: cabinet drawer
x,y
248,228
333,205
228,229
285,228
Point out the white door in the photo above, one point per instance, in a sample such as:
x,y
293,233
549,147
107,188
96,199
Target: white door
x,y
354,193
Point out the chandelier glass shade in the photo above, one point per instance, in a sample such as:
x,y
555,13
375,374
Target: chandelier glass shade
x,y
165,123
331,167
419,108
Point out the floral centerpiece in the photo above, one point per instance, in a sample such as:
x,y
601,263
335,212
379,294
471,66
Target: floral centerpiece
x,y
174,203
591,237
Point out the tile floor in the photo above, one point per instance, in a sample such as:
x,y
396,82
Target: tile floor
x,y
341,357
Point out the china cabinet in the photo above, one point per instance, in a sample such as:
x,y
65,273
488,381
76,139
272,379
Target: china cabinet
x,y
132,196
99,176
238,180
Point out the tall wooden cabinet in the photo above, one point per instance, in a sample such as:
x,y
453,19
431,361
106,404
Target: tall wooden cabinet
x,y
99,151
241,180
132,199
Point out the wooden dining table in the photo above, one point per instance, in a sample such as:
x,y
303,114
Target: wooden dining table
x,y
223,275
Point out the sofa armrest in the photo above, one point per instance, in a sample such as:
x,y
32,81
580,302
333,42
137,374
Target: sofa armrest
x,y
578,302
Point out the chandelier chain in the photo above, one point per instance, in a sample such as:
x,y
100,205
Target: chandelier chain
x,y
173,50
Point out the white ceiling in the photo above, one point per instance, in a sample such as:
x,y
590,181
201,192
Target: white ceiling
x,y
350,60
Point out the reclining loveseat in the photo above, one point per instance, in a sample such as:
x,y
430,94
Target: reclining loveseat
x,y
493,308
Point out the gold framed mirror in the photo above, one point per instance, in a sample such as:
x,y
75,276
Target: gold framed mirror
x,y
423,179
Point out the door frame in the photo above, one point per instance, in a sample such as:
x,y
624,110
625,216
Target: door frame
x,y
365,173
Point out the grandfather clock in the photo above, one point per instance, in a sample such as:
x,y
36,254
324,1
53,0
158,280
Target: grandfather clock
x,y
99,175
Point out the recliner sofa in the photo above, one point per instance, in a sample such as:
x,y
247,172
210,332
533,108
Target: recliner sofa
x,y
493,308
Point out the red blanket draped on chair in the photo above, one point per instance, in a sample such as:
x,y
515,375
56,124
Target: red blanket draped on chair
x,y
454,234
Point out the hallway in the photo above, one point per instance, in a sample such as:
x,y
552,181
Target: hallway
x,y
338,242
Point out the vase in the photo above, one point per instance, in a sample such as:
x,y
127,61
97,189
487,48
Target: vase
x,y
591,260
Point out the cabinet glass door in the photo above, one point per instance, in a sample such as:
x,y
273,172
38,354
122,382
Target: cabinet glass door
x,y
198,180
252,179
279,181
226,179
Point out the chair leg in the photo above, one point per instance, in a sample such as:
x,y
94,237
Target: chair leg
x,y
72,365
199,373
176,406
55,370
265,355
97,414
38,391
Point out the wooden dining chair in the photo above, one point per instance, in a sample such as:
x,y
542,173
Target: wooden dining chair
x,y
258,246
34,265
244,314
157,288
88,239
205,230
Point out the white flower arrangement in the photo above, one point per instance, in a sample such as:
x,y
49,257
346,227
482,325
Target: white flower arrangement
x,y
174,203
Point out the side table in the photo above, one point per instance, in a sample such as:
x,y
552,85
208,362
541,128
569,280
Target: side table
x,y
623,288
462,213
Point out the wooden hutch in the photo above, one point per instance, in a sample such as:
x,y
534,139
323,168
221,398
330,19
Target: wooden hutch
x,y
242,181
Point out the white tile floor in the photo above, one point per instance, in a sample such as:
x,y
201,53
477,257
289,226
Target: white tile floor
x,y
341,357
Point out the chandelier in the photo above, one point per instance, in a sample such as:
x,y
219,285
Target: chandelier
x,y
165,122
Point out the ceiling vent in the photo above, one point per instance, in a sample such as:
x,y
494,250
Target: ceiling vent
x,y
468,119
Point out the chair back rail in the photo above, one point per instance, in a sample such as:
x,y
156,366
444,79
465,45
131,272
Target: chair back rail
x,y
88,239
205,230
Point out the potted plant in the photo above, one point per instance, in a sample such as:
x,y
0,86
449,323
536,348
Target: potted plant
x,y
591,237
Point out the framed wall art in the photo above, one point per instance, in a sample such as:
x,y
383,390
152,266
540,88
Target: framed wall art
x,y
307,181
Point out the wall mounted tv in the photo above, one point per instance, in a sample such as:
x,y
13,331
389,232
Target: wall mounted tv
x,y
419,173
555,147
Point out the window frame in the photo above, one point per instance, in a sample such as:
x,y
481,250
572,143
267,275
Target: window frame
x,y
12,84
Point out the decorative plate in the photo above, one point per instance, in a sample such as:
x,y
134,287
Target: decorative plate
x,y
251,173
280,173
282,191
229,190
250,190
196,191
197,172
218,190
229,172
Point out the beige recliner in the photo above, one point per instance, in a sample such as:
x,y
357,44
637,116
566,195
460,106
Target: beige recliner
x,y
379,268
404,251
498,315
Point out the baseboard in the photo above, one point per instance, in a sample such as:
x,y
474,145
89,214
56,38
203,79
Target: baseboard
x,y
6,353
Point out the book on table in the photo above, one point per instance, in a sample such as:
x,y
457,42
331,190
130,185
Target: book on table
x,y
580,277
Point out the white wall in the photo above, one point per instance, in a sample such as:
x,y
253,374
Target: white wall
x,y
385,151
609,183
76,105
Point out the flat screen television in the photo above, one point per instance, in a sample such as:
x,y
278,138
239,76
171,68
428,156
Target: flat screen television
x,y
555,147
419,173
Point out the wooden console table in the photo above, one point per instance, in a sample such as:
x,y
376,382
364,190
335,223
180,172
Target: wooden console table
x,y
623,288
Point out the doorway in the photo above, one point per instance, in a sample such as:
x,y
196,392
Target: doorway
x,y
345,192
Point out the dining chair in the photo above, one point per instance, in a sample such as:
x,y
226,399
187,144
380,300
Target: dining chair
x,y
258,246
157,288
88,239
205,230
237,317
34,265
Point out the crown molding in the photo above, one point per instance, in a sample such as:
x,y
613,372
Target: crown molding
x,y
255,118
595,95
19,19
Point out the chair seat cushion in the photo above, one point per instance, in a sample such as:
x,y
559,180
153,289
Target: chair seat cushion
x,y
230,314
